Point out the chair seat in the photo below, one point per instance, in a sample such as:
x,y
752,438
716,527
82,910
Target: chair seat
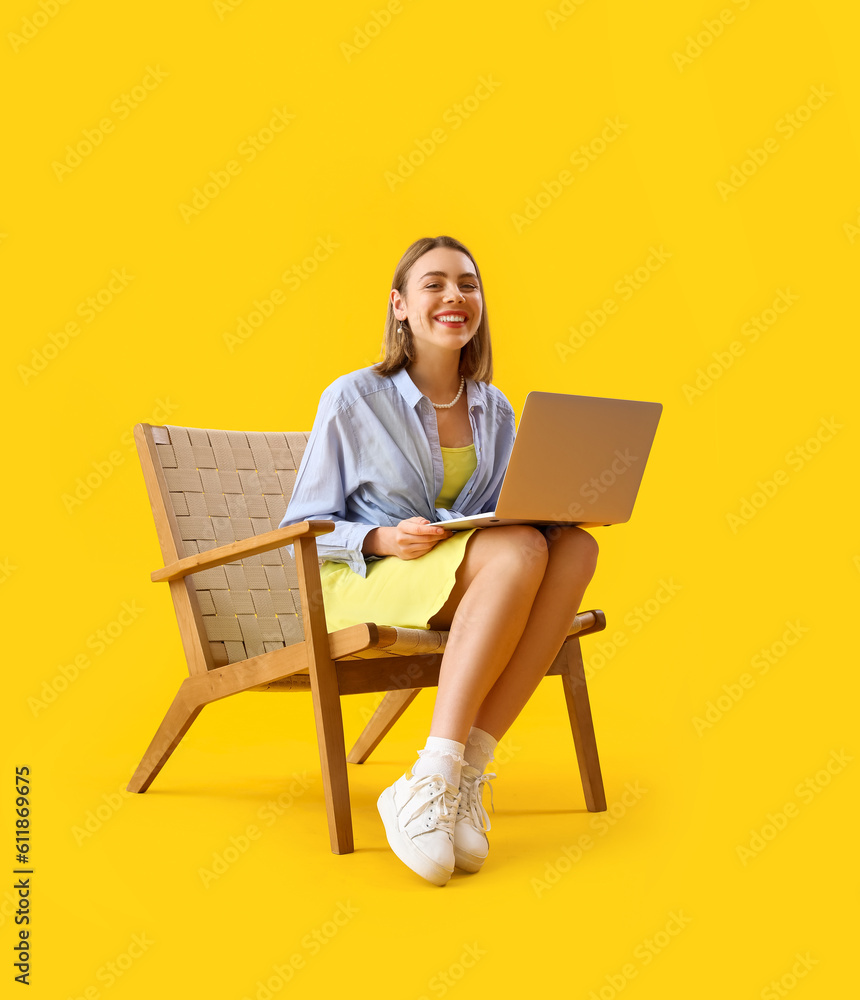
x,y
386,641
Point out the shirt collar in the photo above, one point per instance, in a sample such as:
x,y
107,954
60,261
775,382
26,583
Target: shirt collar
x,y
475,391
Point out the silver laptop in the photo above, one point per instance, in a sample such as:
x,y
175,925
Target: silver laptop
x,y
575,460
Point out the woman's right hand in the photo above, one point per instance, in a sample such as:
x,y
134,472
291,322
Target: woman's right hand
x,y
409,539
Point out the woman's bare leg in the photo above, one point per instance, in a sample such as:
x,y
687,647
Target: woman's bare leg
x,y
516,594
486,612
572,561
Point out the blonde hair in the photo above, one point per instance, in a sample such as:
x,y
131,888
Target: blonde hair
x,y
476,357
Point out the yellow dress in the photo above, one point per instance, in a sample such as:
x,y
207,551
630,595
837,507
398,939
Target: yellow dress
x,y
406,592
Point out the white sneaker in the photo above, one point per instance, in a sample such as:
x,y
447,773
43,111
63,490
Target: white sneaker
x,y
418,815
470,839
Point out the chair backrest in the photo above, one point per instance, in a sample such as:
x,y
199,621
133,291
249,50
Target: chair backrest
x,y
219,487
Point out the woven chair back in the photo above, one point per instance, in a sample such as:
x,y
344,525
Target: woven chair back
x,y
224,486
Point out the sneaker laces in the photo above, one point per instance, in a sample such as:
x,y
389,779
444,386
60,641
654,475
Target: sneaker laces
x,y
471,804
445,813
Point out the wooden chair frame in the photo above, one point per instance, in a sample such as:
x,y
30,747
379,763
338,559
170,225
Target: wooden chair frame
x,y
362,658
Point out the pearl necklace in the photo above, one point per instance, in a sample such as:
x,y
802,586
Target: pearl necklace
x,y
447,406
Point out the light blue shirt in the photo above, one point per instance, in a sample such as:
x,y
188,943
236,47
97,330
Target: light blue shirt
x,y
373,459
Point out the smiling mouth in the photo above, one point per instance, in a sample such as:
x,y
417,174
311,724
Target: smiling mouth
x,y
450,319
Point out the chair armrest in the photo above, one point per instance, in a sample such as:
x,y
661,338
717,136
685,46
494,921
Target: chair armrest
x,y
238,550
586,622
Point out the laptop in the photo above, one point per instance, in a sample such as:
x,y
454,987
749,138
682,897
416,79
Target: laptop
x,y
575,460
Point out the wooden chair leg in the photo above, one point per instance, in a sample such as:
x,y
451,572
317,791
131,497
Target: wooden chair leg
x,y
326,699
330,738
388,711
579,710
174,726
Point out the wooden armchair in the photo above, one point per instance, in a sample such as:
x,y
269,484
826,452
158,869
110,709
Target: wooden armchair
x,y
252,619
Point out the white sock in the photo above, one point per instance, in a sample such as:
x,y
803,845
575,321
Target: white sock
x,y
440,756
479,749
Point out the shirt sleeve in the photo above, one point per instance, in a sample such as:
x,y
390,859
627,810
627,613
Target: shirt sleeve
x,y
329,473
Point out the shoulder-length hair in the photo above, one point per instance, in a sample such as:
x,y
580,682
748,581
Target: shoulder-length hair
x,y
476,357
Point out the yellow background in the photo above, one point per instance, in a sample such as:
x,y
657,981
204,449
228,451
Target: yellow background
x,y
533,919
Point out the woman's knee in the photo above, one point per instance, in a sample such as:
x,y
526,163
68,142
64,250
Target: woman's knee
x,y
520,545
575,543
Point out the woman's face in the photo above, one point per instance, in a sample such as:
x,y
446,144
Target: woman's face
x,y
443,301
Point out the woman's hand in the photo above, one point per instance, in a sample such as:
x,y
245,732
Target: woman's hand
x,y
407,540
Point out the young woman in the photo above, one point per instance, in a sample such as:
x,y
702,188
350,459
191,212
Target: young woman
x,y
423,436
